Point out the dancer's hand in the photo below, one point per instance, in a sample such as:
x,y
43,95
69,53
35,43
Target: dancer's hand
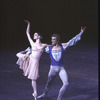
x,y
83,29
26,56
27,21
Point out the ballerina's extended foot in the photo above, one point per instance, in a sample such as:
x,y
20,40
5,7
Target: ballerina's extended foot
x,y
35,96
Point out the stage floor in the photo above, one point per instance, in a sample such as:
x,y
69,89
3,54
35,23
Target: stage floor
x,y
81,64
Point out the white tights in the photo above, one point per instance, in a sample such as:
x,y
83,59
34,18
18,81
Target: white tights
x,y
34,85
63,76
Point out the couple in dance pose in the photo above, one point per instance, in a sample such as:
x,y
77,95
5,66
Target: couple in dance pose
x,y
28,60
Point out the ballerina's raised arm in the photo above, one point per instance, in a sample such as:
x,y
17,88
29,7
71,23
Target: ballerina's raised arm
x,y
28,32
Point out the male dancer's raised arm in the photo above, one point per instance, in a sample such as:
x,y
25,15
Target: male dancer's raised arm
x,y
75,39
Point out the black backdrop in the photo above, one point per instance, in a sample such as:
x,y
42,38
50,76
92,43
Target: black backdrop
x,y
47,16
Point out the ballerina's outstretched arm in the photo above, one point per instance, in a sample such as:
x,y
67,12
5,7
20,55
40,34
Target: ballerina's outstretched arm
x,y
28,32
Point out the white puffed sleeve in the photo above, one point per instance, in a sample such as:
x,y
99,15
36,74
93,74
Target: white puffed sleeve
x,y
73,41
47,49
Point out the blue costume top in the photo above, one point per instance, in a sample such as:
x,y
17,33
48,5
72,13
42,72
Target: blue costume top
x,y
57,55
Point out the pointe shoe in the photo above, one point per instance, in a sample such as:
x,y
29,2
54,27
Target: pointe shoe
x,y
42,96
35,96
27,49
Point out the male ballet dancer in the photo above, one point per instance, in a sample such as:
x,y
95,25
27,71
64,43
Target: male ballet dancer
x,y
56,52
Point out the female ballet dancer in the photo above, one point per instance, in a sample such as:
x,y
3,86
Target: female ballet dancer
x,y
29,59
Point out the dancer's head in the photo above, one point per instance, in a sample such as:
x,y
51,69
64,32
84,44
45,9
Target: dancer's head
x,y
37,36
55,39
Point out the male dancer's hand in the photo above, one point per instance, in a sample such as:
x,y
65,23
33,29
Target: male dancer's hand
x,y
83,29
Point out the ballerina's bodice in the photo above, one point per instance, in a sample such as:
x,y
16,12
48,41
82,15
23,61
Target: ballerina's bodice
x,y
37,52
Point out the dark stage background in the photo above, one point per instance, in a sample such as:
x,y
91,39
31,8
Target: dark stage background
x,y
47,16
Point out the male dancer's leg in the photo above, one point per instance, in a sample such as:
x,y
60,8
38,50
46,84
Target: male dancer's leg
x,y
51,76
64,78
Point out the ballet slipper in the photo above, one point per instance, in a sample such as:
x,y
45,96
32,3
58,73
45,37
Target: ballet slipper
x,y
35,95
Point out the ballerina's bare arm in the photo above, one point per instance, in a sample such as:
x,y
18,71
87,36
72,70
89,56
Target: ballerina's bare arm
x,y
28,32
46,45
46,48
